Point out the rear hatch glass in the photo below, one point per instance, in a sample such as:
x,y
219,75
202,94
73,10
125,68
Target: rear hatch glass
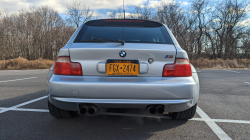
x,y
99,47
130,33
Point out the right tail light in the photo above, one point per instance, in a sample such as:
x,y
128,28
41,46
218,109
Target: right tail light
x,y
181,68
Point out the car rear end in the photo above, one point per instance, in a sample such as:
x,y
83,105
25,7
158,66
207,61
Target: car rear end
x,y
123,64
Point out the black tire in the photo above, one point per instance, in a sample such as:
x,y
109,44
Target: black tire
x,y
184,115
60,113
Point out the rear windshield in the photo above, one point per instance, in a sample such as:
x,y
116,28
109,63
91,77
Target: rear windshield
x,y
157,35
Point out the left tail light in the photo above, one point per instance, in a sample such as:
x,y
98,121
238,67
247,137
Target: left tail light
x,y
64,66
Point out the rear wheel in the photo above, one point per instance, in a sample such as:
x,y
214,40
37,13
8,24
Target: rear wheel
x,y
184,115
60,113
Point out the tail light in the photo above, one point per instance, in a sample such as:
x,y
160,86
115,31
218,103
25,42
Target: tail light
x,y
181,68
64,66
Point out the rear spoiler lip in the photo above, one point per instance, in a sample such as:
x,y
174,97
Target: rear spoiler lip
x,y
128,22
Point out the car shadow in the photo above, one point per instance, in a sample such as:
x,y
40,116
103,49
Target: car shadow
x,y
114,127
43,125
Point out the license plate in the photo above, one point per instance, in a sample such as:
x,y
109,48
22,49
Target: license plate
x,y
122,67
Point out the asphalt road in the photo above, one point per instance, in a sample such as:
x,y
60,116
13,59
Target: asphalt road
x,y
223,113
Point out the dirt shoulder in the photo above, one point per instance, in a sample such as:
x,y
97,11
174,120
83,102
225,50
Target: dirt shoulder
x,y
24,64
221,64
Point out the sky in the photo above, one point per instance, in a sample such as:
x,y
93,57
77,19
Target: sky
x,y
102,7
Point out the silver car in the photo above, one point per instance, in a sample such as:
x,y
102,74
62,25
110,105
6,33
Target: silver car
x,y
116,63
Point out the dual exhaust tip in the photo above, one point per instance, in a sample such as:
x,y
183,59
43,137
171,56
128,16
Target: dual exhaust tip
x,y
155,109
93,110
89,110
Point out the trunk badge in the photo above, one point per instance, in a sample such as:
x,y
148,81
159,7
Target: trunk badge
x,y
150,60
169,56
122,53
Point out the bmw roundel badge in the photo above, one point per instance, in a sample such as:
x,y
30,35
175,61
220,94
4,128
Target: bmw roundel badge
x,y
122,53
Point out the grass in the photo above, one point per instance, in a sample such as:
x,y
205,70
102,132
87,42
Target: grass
x,y
202,63
24,64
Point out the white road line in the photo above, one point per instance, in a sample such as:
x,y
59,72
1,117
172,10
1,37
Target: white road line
x,y
17,79
231,121
246,82
27,109
221,120
22,104
232,71
216,129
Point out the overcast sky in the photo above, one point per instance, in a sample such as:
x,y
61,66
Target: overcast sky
x,y
100,6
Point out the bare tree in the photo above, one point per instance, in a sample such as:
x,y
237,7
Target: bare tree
x,y
202,29
226,17
178,21
33,33
116,13
199,8
143,12
78,13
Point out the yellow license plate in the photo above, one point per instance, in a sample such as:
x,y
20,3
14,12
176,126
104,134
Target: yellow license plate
x,y
122,67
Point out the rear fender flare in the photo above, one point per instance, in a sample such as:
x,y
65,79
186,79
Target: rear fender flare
x,y
50,73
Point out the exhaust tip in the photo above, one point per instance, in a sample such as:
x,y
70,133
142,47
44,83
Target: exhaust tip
x,y
91,111
160,109
151,109
83,110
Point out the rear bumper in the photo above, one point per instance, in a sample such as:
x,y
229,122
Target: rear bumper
x,y
175,93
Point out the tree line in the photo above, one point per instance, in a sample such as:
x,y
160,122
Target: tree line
x,y
203,29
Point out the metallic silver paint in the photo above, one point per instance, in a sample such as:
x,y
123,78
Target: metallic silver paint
x,y
96,87
90,54
180,53
101,67
175,93
168,107
129,88
121,101
143,68
64,51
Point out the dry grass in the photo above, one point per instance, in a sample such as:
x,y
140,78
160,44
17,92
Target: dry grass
x,y
202,63
24,64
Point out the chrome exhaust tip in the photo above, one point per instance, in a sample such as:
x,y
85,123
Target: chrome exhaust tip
x,y
91,111
151,109
160,109
83,110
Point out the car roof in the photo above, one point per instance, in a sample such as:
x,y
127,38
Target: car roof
x,y
123,23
